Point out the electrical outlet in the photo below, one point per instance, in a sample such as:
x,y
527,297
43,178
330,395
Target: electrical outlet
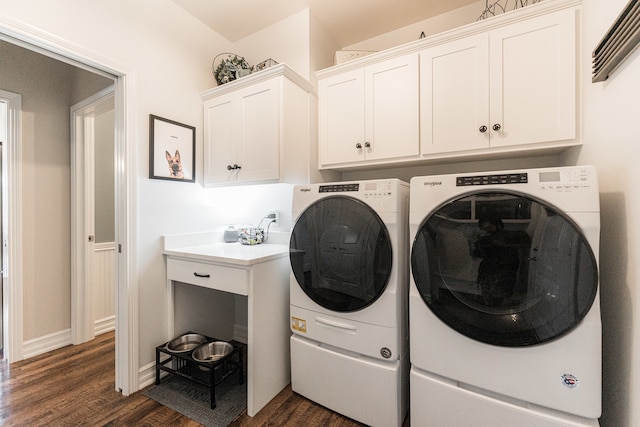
x,y
274,215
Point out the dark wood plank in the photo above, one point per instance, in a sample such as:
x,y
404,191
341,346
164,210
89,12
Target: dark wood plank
x,y
75,386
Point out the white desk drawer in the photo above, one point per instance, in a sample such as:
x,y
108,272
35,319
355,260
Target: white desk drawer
x,y
228,279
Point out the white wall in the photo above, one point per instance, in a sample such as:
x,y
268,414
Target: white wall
x,y
286,41
611,137
323,47
300,41
438,24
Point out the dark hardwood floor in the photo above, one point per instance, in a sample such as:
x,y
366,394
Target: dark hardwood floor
x,y
74,386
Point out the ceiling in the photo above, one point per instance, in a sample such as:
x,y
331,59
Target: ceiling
x,y
347,21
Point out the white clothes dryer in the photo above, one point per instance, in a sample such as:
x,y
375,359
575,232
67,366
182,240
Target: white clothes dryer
x,y
349,297
504,304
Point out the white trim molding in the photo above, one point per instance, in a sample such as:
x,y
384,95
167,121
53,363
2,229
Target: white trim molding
x,y
46,343
107,324
12,229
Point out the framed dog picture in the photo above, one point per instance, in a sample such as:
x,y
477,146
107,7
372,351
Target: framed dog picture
x,y
172,150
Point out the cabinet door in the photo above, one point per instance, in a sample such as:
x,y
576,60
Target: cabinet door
x,y
341,118
454,93
391,109
533,80
242,135
259,148
220,124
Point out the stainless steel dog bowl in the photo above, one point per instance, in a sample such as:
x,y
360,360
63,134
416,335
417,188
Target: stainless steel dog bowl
x,y
185,343
212,351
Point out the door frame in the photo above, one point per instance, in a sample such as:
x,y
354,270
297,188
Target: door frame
x,y
126,131
12,229
83,212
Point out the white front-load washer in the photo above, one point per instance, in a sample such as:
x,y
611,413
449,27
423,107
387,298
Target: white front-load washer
x,y
349,297
504,307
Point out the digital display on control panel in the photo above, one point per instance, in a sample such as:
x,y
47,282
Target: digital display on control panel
x,y
509,178
339,188
549,176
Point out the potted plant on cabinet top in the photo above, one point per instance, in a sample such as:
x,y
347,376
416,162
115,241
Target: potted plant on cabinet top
x,y
230,68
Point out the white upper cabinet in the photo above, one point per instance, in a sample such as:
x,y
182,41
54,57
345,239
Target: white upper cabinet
x,y
242,134
455,95
258,129
503,86
533,80
341,118
369,114
510,86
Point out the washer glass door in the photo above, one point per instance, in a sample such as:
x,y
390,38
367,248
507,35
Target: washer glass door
x,y
504,269
340,253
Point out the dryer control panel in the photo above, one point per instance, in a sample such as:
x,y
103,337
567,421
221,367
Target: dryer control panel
x,y
366,189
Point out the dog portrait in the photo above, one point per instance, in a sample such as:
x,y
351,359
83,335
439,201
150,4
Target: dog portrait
x,y
172,147
175,165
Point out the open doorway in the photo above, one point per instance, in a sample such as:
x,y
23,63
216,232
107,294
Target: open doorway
x,y
48,88
93,216
21,320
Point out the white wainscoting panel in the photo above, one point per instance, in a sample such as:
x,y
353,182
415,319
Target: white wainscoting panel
x,y
104,291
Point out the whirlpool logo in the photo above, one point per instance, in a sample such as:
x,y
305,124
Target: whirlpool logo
x,y
432,183
305,190
569,381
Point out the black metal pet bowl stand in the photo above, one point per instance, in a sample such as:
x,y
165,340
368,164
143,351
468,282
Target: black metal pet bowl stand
x,y
183,364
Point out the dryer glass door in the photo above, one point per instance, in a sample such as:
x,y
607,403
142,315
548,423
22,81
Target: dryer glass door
x,y
504,269
340,253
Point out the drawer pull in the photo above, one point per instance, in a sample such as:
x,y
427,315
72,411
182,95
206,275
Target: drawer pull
x,y
201,275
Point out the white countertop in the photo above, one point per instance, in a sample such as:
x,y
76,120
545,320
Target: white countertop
x,y
196,247
231,253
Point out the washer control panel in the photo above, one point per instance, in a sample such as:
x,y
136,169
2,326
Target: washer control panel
x,y
564,180
556,180
338,188
508,178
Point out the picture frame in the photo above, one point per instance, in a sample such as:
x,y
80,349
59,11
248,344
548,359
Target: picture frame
x,y
172,150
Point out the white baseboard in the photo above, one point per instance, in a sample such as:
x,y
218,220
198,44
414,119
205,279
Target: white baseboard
x,y
104,325
56,340
147,375
46,343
